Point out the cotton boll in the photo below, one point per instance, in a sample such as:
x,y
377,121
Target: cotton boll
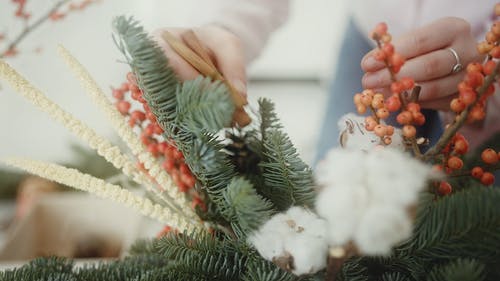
x,y
309,255
297,236
380,229
393,177
307,222
342,207
340,167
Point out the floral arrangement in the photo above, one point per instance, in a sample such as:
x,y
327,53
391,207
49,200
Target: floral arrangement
x,y
239,202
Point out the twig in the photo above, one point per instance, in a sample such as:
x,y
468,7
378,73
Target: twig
x,y
29,28
458,123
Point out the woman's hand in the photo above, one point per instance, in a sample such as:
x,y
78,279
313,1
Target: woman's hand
x,y
224,48
428,61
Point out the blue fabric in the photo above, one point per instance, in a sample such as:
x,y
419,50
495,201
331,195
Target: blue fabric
x,y
347,82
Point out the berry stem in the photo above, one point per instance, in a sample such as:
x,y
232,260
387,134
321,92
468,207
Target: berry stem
x,y
29,28
458,123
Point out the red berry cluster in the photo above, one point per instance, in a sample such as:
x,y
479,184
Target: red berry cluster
x,y
151,136
380,106
375,101
490,158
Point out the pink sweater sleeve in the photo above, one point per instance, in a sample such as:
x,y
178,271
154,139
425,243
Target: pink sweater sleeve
x,y
252,21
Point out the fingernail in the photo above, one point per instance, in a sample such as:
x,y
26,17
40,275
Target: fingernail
x,y
370,80
240,87
369,62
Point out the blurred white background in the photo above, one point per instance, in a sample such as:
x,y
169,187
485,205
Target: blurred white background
x,y
291,70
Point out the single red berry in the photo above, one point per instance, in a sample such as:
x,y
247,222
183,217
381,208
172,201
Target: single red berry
x,y
357,98
397,87
477,172
495,52
162,146
474,79
477,113
397,60
489,66
457,105
381,28
461,146
393,103
157,129
136,95
474,67
413,107
382,113
455,163
177,154
467,96
404,118
418,118
409,131
444,188
408,83
123,107
366,100
495,28
118,94
487,178
138,115
489,156
150,116
380,130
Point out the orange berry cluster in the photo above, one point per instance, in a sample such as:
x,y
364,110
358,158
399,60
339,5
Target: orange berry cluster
x,y
452,161
490,158
375,101
381,107
151,136
468,94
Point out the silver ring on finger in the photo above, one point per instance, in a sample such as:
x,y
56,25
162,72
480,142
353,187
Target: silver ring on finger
x,y
458,65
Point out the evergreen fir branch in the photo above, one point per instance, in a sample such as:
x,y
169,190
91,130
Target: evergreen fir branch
x,y
202,255
150,65
288,180
268,118
219,266
203,106
353,270
461,269
41,269
465,224
394,276
143,247
244,208
211,166
130,268
258,269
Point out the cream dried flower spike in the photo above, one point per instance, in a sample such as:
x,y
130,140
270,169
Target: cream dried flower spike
x,y
176,210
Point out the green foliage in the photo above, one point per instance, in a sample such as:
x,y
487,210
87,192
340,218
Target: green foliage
x,y
203,106
262,270
244,208
157,80
287,178
461,269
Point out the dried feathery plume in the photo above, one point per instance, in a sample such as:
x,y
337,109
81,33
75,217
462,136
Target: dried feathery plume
x,y
102,189
125,132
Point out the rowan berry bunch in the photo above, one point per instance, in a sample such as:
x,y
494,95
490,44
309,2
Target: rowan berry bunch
x,y
469,106
400,100
144,121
